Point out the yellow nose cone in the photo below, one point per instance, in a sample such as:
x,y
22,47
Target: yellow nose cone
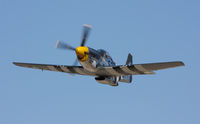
x,y
82,53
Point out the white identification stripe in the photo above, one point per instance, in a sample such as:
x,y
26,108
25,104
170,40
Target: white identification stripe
x,y
65,69
112,71
126,69
80,71
52,68
140,68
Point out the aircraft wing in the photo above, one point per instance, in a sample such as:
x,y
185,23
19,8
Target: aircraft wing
x,y
121,70
137,69
59,68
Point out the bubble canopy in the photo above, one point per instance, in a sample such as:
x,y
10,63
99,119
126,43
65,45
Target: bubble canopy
x,y
102,52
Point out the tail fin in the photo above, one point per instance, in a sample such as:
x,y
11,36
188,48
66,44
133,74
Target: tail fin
x,y
127,78
129,60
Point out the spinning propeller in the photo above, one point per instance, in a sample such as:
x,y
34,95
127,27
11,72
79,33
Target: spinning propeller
x,y
81,51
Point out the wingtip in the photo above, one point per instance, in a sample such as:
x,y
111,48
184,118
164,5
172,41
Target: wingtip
x,y
17,63
14,63
181,63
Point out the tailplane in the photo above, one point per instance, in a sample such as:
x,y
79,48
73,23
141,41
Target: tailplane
x,y
127,78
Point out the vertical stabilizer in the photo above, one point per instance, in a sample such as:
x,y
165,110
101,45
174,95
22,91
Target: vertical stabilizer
x,y
129,60
127,78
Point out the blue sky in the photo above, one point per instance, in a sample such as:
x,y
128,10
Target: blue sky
x,y
152,30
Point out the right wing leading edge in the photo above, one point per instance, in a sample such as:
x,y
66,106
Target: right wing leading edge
x,y
136,69
159,66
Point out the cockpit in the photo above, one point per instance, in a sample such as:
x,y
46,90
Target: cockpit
x,y
103,52
106,57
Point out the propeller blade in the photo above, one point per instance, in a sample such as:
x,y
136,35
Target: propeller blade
x,y
63,45
75,62
86,29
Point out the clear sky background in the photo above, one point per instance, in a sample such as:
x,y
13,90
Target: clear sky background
x,y
152,30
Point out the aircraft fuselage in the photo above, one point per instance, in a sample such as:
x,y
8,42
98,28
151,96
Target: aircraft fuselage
x,y
96,59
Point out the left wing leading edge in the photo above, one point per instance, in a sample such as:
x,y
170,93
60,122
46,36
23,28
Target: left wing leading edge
x,y
59,68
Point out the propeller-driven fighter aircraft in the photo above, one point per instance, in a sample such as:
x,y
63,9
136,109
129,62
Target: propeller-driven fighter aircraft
x,y
98,63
